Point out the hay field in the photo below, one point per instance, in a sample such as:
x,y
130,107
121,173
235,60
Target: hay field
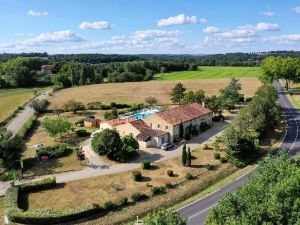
x,y
136,92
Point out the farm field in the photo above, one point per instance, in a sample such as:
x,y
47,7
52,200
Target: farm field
x,y
10,99
136,92
212,72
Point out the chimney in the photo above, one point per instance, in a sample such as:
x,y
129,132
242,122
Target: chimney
x,y
203,104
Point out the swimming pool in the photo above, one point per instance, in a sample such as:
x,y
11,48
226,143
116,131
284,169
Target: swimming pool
x,y
144,113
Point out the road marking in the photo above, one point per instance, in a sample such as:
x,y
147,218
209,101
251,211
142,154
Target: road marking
x,y
206,196
294,120
203,211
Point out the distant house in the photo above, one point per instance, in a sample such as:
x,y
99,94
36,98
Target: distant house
x,y
46,69
181,120
91,122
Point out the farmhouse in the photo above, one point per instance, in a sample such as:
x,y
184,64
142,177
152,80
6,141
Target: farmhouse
x,y
166,126
180,121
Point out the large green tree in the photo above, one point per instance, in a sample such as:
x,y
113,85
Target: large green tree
x,y
275,68
56,126
194,97
178,93
270,197
108,142
11,147
163,216
21,72
230,95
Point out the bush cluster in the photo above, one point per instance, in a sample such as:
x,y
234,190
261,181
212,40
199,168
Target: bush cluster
x,y
170,173
55,151
83,133
158,190
146,164
28,125
189,176
217,155
138,196
137,175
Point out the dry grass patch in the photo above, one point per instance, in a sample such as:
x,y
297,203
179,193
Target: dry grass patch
x,y
136,92
101,189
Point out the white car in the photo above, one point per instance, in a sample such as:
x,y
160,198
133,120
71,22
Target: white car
x,y
166,146
94,134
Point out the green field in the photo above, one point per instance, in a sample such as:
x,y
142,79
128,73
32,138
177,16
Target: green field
x,y
211,72
10,99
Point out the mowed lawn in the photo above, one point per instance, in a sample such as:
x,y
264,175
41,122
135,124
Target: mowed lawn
x,y
136,92
10,99
212,72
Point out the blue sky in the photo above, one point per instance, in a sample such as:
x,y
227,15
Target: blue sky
x,y
144,26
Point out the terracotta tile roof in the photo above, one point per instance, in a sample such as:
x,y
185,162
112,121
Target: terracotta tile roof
x,y
146,131
184,113
118,121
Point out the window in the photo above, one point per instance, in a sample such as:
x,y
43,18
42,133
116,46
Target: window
x,y
150,125
158,125
167,127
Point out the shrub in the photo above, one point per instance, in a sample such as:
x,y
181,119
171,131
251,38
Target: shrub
x,y
189,176
83,133
210,167
170,173
122,201
137,175
205,146
223,160
217,155
6,176
138,196
169,185
109,205
158,190
54,151
146,164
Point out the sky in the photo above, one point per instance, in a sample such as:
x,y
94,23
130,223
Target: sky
x,y
149,26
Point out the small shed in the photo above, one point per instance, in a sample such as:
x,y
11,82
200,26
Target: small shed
x,y
91,122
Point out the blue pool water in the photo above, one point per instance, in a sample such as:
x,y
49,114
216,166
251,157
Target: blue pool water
x,y
141,115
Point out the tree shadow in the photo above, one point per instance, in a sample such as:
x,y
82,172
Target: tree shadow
x,y
154,167
198,166
146,179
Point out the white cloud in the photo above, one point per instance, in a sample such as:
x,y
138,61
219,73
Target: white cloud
x,y
180,20
54,37
268,13
97,25
297,9
284,39
212,29
267,27
148,34
35,13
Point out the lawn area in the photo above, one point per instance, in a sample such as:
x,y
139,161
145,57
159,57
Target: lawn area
x,y
212,72
10,99
136,92
112,187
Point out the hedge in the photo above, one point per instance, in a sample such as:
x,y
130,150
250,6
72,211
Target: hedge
x,y
42,216
27,126
55,151
38,185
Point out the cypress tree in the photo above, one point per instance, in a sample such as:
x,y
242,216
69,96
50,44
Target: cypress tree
x,y
189,157
184,155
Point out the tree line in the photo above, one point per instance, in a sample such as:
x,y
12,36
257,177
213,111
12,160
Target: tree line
x,y
26,72
275,68
250,125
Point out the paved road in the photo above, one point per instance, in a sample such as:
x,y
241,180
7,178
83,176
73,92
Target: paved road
x,y
197,211
16,124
